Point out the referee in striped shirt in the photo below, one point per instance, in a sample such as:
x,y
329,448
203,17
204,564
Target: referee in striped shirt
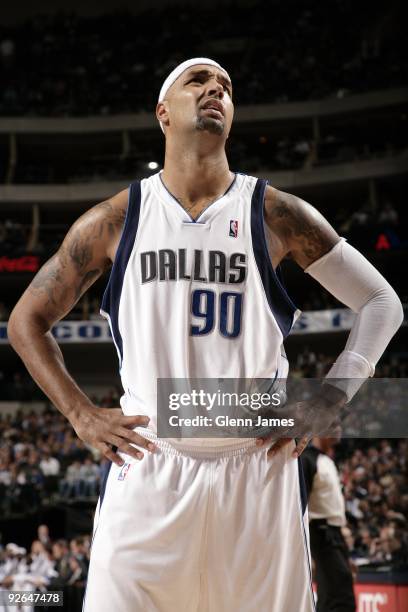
x,y
327,516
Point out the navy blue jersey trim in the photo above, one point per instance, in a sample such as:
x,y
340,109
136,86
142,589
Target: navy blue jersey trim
x,y
113,291
279,302
104,480
302,486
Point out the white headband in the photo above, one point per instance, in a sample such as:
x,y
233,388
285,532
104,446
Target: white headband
x,y
178,70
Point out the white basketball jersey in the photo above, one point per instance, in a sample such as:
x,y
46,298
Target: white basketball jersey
x,y
194,298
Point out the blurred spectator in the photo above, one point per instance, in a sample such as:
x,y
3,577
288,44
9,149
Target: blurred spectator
x,y
80,547
49,465
61,555
70,485
43,535
388,214
361,217
7,53
89,476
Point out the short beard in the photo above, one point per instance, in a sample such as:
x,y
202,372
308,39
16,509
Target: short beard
x,y
210,125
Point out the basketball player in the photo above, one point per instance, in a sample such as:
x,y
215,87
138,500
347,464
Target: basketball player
x,y
193,292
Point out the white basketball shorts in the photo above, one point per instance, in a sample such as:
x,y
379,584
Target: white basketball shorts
x,y
201,530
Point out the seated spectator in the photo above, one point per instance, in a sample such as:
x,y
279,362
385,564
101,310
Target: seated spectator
x,y
49,465
89,474
50,468
80,547
61,556
70,485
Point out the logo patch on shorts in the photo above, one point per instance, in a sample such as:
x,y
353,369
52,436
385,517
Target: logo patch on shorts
x,y
233,231
124,471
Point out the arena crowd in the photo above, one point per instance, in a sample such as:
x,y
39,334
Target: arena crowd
x,y
64,64
48,565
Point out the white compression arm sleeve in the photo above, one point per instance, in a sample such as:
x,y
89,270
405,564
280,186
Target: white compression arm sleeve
x,y
347,275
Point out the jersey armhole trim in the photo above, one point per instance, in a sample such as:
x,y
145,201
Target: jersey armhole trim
x,y
282,307
113,291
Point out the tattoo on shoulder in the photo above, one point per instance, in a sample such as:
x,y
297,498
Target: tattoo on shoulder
x,y
77,250
113,219
107,224
80,251
312,236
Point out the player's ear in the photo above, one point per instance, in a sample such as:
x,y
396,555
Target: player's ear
x,y
162,112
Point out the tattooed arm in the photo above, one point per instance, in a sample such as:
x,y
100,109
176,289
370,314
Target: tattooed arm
x,y
296,229
86,252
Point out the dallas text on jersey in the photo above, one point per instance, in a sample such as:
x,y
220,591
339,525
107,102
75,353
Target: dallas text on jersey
x,y
217,267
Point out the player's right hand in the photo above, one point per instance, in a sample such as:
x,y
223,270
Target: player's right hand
x,y
104,428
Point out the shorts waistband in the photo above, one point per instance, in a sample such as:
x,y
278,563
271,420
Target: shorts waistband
x,y
231,447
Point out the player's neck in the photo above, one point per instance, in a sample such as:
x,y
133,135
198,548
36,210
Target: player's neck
x,y
191,176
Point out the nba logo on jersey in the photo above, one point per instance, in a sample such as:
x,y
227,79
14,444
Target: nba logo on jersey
x,y
124,470
233,228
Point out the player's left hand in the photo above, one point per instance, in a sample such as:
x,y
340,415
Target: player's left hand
x,y
318,416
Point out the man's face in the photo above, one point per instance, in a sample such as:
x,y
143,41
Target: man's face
x,y
200,99
57,551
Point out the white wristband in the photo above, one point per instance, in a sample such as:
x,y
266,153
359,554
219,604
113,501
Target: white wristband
x,y
350,371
